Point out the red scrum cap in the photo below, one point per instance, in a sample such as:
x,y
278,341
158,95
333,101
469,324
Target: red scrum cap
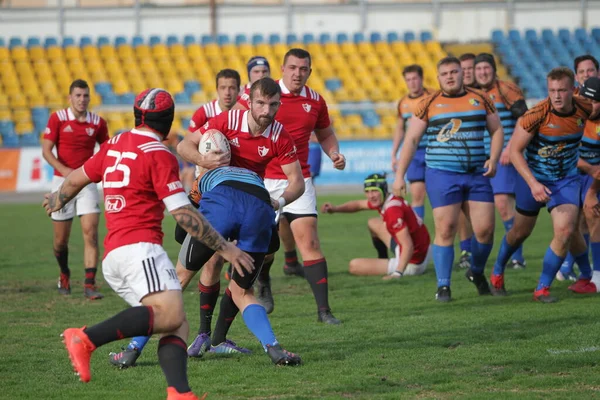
x,y
154,108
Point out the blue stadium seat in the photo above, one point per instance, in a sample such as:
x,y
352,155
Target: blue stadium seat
x,y
497,36
154,40
392,37
110,99
85,41
33,41
39,116
7,128
426,36
325,38
185,124
274,38
341,38
514,35
103,88
346,108
182,98
596,34
308,38
291,38
257,38
581,34
50,41
358,37
370,118
15,41
120,41
207,39
548,35
172,39
530,35
189,39
137,41
126,98
102,41
222,39
409,36
333,84
68,41
29,139
192,87
240,39
564,35
10,141
376,37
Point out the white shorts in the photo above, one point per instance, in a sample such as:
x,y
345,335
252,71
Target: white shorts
x,y
136,270
303,205
411,269
86,201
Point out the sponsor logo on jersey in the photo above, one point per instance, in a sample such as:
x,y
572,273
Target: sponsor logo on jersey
x,y
597,129
262,151
449,130
306,107
553,126
552,150
234,142
47,131
580,122
89,131
493,96
398,223
474,102
192,124
114,203
442,105
68,129
174,185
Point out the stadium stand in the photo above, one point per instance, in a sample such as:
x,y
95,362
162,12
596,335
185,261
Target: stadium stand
x,y
350,70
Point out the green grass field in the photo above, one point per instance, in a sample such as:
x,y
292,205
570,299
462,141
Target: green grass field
x,y
396,341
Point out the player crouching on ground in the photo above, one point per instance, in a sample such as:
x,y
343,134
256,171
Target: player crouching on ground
x,y
399,225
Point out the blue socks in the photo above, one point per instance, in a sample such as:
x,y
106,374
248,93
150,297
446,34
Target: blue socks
x,y
518,254
550,267
255,318
596,255
138,342
443,257
504,254
465,245
420,211
480,255
583,262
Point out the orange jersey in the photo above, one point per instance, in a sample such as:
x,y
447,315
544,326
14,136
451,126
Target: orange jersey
x,y
553,151
406,108
455,130
504,95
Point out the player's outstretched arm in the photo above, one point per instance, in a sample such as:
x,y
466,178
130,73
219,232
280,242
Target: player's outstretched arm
x,y
331,146
414,134
351,206
295,188
200,229
397,140
494,126
72,185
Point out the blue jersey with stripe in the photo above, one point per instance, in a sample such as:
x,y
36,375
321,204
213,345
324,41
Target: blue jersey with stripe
x,y
553,151
217,176
455,130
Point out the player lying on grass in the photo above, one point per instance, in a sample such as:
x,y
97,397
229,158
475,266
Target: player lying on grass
x,y
399,226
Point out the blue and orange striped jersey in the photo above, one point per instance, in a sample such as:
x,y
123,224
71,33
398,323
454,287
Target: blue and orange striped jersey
x,y
406,109
589,149
455,130
504,95
553,151
215,177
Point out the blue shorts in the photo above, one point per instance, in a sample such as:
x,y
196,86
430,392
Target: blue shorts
x,y
314,159
445,188
586,183
239,215
416,169
564,191
505,180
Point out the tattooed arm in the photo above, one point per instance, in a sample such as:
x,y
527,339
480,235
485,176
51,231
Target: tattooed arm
x,y
72,185
200,229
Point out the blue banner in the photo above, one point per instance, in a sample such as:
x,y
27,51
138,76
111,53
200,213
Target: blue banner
x,y
363,157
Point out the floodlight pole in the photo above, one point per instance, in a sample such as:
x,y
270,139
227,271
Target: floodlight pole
x,y
213,18
584,10
362,4
289,17
510,14
61,19
138,17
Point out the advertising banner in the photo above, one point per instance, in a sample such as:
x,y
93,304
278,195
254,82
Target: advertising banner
x,y
9,169
35,174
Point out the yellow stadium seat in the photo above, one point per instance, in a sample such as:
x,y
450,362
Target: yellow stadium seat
x,y
177,50
90,52
365,48
95,99
125,51
19,53
160,51
331,48
107,51
399,47
21,115
229,50
279,50
212,50
314,49
194,50
382,48
121,87
174,85
73,52
246,51
5,113
35,53
24,127
199,98
349,48
262,49
434,47
54,53
4,53
142,51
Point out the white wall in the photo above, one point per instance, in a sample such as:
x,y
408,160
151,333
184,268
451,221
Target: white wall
x,y
462,21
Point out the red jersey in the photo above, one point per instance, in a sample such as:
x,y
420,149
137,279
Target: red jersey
x,y
397,215
253,152
300,115
138,174
75,141
204,114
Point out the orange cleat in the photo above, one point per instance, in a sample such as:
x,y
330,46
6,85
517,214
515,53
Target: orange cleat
x,y
579,285
543,296
80,350
173,394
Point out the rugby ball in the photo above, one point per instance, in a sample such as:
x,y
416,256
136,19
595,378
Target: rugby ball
x,y
213,141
